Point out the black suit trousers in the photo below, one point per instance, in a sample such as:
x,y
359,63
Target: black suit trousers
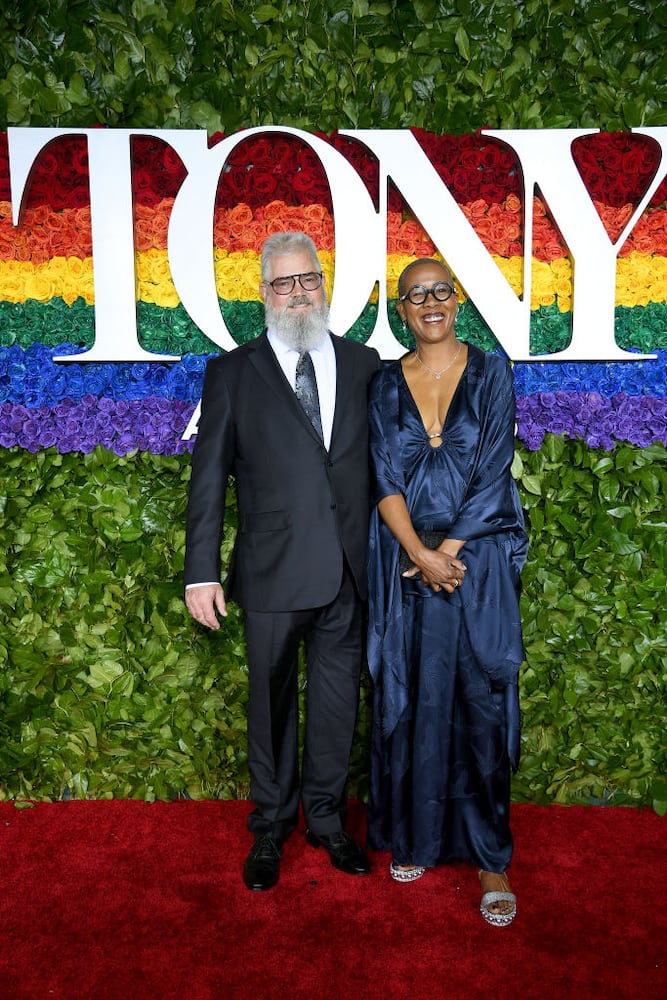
x,y
333,647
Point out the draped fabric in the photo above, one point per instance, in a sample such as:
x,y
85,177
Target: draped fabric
x,y
445,667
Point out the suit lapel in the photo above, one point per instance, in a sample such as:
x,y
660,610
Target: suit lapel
x,y
267,367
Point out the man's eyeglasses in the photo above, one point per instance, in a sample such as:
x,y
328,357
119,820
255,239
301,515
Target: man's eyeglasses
x,y
441,291
309,281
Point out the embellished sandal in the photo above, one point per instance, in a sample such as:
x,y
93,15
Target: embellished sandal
x,y
405,873
498,918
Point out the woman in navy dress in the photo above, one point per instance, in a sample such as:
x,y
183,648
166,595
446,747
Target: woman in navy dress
x,y
447,544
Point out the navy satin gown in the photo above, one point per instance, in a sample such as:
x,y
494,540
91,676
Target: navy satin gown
x,y
445,666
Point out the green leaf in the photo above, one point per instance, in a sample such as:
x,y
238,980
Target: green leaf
x,y
532,483
463,42
265,12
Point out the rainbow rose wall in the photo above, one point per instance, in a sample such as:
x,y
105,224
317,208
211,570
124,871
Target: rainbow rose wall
x,y
109,690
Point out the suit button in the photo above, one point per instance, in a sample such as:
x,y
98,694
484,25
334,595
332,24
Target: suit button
x,y
333,506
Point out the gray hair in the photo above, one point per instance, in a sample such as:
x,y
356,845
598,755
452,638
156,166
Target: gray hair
x,y
279,244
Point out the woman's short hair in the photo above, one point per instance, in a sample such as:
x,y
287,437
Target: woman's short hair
x,y
402,281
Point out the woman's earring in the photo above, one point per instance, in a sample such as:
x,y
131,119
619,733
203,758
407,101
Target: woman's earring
x,y
405,326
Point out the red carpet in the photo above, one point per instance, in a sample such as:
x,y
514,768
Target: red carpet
x,y
118,900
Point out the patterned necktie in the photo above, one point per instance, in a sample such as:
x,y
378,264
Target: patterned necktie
x,y
306,391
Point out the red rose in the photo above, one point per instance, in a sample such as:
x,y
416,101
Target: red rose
x,y
264,184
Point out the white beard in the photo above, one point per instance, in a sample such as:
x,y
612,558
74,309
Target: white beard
x,y
300,329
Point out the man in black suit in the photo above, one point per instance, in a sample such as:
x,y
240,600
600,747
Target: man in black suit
x,y
286,415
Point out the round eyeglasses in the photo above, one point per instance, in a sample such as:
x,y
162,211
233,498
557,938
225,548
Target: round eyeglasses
x,y
310,281
441,291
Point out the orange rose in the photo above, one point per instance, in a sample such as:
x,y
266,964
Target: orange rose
x,y
482,226
413,230
499,238
238,218
553,250
538,208
645,244
661,242
478,207
273,210
393,222
59,243
82,217
513,203
143,234
7,249
54,221
313,228
40,255
37,216
624,215
143,211
255,235
406,247
275,224
327,242
160,234
221,236
316,212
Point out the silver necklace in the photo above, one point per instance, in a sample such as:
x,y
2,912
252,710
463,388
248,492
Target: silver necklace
x,y
439,374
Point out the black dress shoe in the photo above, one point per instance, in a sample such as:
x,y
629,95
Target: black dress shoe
x,y
345,853
262,865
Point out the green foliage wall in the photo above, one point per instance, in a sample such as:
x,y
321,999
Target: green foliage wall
x,y
109,689
106,687
442,65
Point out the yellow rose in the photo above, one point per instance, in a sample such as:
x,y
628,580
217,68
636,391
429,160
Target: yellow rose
x,y
512,270
168,296
396,263
86,289
12,280
562,267
562,286
57,269
39,285
158,266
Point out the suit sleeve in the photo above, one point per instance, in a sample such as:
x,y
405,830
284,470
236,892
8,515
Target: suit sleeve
x,y
212,463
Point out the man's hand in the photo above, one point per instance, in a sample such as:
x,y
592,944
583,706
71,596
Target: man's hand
x,y
202,602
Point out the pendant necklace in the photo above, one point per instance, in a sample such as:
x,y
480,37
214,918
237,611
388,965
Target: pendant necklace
x,y
439,374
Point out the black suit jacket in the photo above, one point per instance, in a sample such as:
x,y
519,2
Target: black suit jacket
x,y
301,508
